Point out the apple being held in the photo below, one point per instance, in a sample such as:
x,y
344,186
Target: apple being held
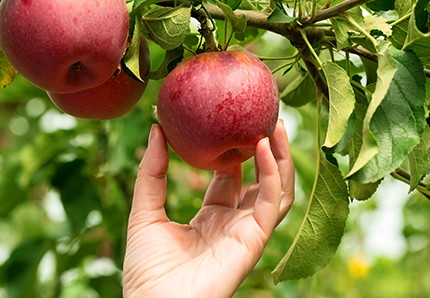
x,y
112,99
214,107
64,45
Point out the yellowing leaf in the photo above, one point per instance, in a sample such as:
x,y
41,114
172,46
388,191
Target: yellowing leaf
x,y
7,71
341,102
373,22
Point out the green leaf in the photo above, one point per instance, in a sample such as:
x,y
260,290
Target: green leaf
x,y
400,32
250,34
132,57
279,15
167,26
381,5
141,4
395,118
300,91
403,7
357,190
322,228
370,68
341,29
171,59
234,4
418,35
7,71
341,102
238,22
419,160
386,71
362,192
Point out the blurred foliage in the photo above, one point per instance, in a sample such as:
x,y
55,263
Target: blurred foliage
x,y
66,186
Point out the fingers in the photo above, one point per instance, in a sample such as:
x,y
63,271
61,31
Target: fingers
x,y
279,153
266,208
282,153
150,187
225,187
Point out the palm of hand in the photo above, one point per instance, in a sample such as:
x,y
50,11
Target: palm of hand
x,y
206,256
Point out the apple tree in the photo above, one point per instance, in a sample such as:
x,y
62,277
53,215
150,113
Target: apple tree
x,y
356,70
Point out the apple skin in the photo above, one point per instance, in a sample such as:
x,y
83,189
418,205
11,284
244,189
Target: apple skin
x,y
64,45
112,99
214,107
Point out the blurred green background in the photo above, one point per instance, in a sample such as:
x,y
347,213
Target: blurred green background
x,y
66,186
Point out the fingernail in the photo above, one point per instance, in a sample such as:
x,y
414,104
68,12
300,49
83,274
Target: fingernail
x,y
151,134
265,141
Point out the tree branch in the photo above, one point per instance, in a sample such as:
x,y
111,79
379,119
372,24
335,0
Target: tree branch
x,y
254,18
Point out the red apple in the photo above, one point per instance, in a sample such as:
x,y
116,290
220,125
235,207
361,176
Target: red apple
x,y
64,45
214,107
112,99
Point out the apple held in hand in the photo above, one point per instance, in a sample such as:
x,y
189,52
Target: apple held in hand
x,y
214,108
64,45
112,99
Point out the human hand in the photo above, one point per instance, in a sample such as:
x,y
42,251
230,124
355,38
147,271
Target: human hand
x,y
213,254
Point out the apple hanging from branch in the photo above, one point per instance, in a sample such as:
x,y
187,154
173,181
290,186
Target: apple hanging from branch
x,y
64,45
214,107
112,99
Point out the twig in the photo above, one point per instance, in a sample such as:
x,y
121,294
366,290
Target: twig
x,y
362,52
207,28
334,11
405,177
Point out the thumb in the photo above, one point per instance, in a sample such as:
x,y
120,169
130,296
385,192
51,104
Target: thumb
x,y
150,187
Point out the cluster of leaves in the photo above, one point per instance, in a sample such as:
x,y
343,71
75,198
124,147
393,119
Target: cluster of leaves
x,y
362,64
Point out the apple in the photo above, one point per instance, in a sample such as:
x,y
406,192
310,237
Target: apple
x,y
64,45
214,107
112,99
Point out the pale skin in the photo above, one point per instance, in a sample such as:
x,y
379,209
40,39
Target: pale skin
x,y
213,254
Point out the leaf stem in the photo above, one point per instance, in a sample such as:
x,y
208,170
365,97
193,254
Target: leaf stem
x,y
311,49
326,4
360,29
399,20
275,70
319,137
361,87
277,58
